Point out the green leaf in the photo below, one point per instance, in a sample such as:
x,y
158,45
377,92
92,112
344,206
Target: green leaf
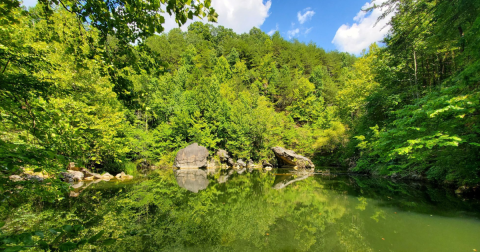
x,y
54,231
39,234
2,223
26,239
109,241
78,228
57,239
43,245
67,246
37,170
14,249
81,242
96,237
68,228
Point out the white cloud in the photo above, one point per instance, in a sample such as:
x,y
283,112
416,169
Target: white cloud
x,y
272,31
354,38
241,16
302,18
292,33
307,31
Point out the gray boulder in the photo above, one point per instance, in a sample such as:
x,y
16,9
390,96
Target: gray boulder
x,y
193,180
266,164
240,164
77,175
213,164
107,176
72,176
67,177
230,162
15,178
223,155
122,175
192,156
288,158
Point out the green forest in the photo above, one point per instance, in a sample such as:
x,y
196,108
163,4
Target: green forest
x,y
99,84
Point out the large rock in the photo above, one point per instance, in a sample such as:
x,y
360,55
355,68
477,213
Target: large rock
x,y
286,158
193,180
192,156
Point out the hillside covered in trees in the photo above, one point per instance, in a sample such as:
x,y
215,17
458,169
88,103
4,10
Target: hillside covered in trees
x,y
105,96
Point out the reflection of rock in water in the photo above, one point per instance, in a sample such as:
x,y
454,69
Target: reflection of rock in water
x,y
193,180
283,180
225,175
241,171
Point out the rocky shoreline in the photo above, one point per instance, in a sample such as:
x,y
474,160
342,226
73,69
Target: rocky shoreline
x,y
196,156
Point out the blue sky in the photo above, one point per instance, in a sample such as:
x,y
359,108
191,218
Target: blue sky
x,y
321,27
332,25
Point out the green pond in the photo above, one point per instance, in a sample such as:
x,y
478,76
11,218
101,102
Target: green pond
x,y
258,210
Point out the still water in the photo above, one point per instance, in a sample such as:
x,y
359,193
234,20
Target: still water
x,y
277,210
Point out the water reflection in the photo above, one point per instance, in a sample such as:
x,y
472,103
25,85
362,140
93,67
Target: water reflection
x,y
285,177
277,210
193,180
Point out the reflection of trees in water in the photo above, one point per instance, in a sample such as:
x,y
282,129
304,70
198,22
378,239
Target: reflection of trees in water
x,y
157,214
236,216
306,214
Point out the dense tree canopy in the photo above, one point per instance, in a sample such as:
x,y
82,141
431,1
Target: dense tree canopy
x,y
74,90
100,84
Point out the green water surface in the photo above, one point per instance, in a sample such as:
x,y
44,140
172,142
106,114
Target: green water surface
x,y
278,210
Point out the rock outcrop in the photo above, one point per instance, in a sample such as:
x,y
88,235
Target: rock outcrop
x,y
288,158
193,180
192,156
